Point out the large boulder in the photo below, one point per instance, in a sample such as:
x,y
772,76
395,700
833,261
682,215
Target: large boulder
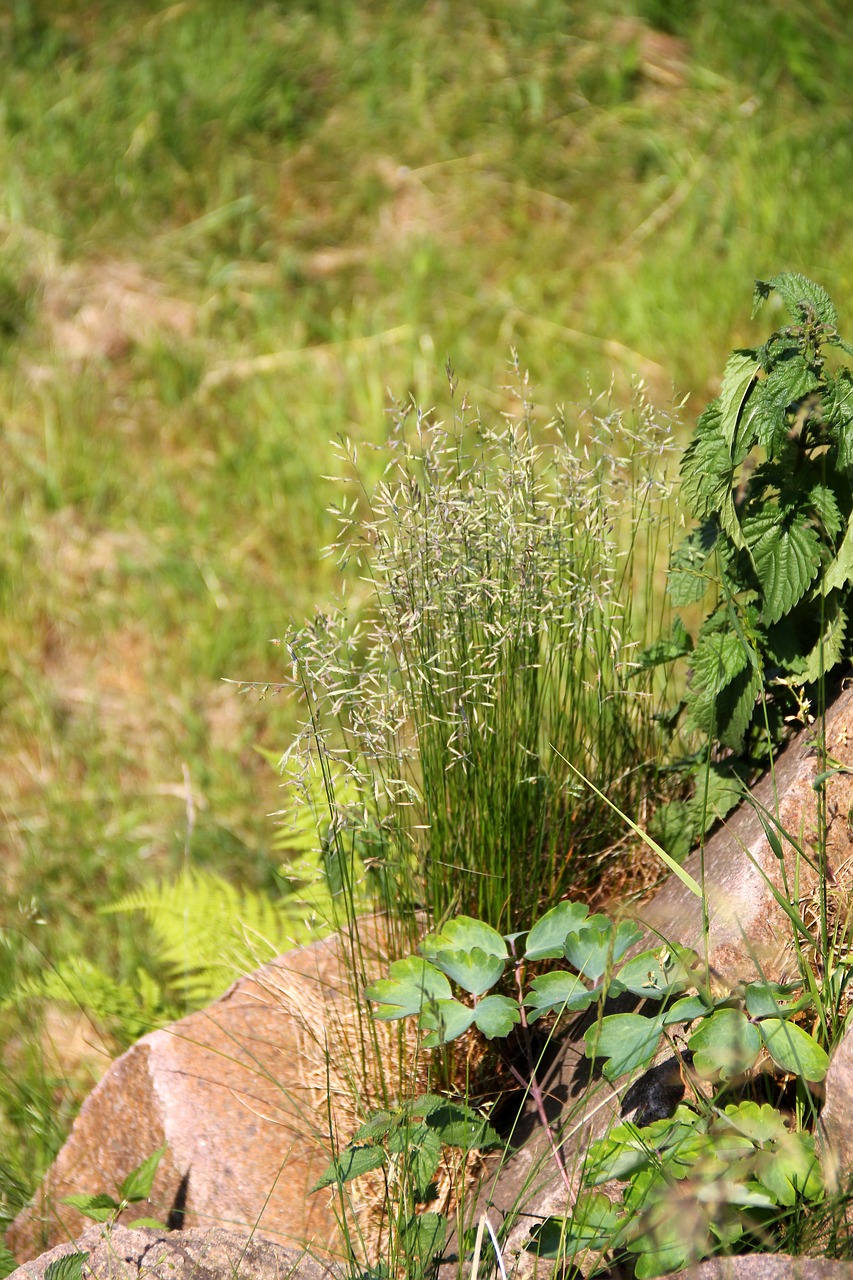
x,y
244,1095
118,1253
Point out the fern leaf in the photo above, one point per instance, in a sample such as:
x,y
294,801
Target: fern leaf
x,y
785,554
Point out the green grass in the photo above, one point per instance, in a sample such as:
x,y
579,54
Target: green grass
x,y
317,204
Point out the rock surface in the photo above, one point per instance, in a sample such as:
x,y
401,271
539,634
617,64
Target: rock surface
x,y
238,1093
768,1266
119,1253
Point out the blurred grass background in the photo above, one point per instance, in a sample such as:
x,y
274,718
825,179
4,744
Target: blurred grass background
x,y
226,228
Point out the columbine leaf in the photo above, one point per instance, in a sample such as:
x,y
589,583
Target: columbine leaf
x,y
789,1169
470,952
68,1267
793,1049
460,1126
785,553
559,990
591,1226
768,999
351,1163
100,1208
137,1185
800,295
598,944
726,1044
761,1124
496,1016
412,985
653,974
738,377
547,938
445,1020
685,1010
627,1040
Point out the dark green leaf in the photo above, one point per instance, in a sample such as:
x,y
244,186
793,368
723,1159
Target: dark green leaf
x,y
421,1147
138,1183
460,1126
785,553
707,468
829,648
68,1267
548,936
688,581
351,1163
838,411
738,377
801,296
824,504
423,1240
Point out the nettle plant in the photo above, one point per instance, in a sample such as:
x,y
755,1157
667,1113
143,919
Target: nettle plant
x,y
768,476
747,1168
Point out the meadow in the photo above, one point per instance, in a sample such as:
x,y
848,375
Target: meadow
x,y
228,232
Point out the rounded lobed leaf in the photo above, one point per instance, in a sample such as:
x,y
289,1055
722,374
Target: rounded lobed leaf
x,y
445,1020
496,1016
626,1040
413,984
726,1044
473,954
547,938
793,1049
559,990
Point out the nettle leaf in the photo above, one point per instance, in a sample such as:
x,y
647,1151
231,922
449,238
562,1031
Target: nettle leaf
x,y
824,504
793,1049
598,944
546,939
738,377
840,572
838,412
421,1147
591,1226
100,1208
736,707
413,984
725,1044
68,1267
673,825
470,952
787,383
626,1040
790,1169
725,681
138,1183
559,990
496,1016
707,468
766,417
460,1126
785,553
687,580
351,1163
829,648
445,1020
654,974
423,1239
801,295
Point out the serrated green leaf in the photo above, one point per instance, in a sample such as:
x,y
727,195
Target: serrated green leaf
x,y
496,1016
829,649
423,1240
547,938
839,573
838,413
378,1126
785,553
100,1208
738,377
421,1147
824,504
687,580
460,1126
68,1267
725,1044
707,468
599,943
736,707
138,1183
445,1020
652,974
673,825
558,990
789,382
801,295
793,1049
626,1040
412,985
351,1163
470,952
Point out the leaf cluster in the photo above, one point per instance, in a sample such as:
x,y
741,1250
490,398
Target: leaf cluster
x,y
134,1189
768,478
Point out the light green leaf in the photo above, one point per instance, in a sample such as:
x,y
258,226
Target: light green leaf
x,y
685,1010
558,990
627,1040
785,552
445,1020
707,468
470,952
412,985
799,294
100,1208
738,377
599,943
789,1169
68,1267
138,1183
653,974
546,939
838,411
760,1123
496,1016
351,1163
793,1049
726,1044
763,999
591,1226
840,572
